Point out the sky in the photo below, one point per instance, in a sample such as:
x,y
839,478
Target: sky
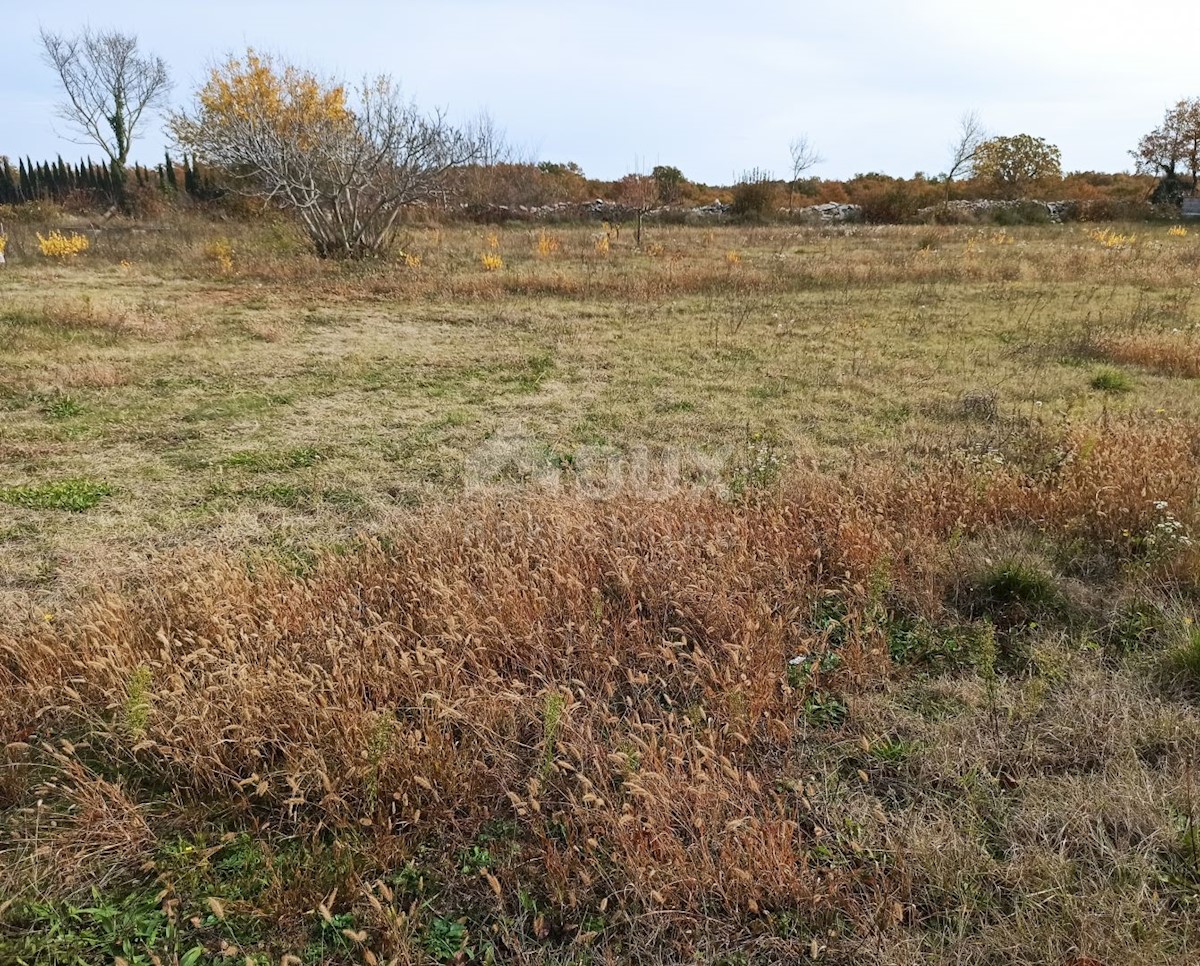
x,y
712,88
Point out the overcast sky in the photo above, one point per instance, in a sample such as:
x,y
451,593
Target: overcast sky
x,y
714,88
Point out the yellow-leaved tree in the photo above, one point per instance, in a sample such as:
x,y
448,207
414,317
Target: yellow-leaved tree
x,y
1012,166
346,160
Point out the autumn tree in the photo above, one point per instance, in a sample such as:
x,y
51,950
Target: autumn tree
x,y
110,85
1011,165
1172,151
639,192
347,161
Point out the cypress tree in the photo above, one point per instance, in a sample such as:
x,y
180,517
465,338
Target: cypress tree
x,y
170,169
62,177
189,178
9,189
25,186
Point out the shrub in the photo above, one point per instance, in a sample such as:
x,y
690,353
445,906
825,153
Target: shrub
x,y
887,201
221,253
60,246
754,196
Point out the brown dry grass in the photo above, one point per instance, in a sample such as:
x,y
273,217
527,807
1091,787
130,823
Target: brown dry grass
x,y
610,681
1170,354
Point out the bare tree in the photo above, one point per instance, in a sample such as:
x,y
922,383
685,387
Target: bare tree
x,y
640,192
804,156
965,146
346,162
501,173
110,85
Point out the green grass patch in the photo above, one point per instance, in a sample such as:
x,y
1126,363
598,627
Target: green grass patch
x,y
1111,380
75,495
266,461
62,407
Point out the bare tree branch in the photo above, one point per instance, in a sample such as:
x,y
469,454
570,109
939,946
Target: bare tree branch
x,y
804,156
965,146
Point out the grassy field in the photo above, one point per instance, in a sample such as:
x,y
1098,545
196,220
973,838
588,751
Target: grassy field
x,y
762,594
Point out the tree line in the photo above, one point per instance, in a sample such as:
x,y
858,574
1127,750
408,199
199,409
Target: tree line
x,y
97,184
347,160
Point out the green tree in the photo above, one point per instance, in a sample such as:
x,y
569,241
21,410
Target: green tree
x,y
1012,165
669,181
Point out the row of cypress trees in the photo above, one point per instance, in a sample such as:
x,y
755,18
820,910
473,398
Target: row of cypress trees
x,y
57,181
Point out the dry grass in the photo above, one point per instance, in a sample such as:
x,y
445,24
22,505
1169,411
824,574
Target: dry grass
x,y
150,368
808,605
650,695
1173,354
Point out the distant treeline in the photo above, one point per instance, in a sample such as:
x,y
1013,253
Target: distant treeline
x,y
483,190
94,183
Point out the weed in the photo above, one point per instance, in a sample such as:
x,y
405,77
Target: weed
x,y
445,940
756,465
137,702
1012,592
1182,663
931,647
74,495
131,928
825,710
63,407
473,860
